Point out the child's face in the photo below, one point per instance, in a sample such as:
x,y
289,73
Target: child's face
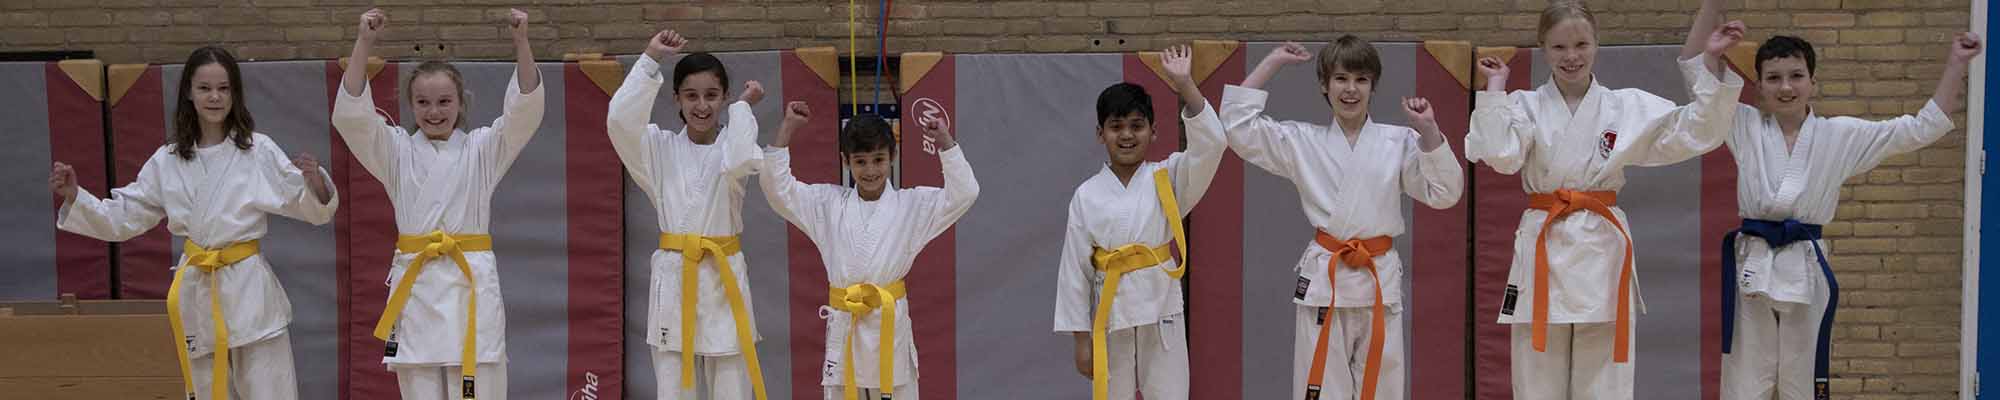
x,y
870,170
1126,138
434,98
1785,86
211,93
1570,49
1349,92
700,96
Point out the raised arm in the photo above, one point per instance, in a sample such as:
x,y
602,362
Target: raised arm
x,y
1874,141
1501,133
356,76
960,186
1951,86
524,55
1287,54
367,133
521,114
626,120
1677,133
793,200
1256,137
1706,22
1178,61
1194,169
1431,173
739,138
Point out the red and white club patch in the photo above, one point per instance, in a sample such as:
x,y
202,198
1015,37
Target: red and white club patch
x,y
1607,143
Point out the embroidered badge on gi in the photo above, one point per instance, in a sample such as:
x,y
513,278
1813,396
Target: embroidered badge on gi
x,y
1608,142
1507,306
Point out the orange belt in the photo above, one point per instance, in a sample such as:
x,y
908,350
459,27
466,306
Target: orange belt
x,y
1563,202
1358,253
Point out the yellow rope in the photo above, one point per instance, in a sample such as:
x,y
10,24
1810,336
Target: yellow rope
x,y
853,86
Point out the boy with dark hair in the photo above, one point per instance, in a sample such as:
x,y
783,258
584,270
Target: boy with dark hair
x,y
1118,285
1350,175
868,236
1779,294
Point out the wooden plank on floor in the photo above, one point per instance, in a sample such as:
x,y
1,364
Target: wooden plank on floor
x,y
86,346
92,388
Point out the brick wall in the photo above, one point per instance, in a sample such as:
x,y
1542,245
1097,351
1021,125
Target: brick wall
x,y
1898,230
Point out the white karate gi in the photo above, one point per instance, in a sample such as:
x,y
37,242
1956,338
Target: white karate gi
x,y
443,186
871,242
219,198
1782,294
1349,191
1145,335
1535,134
696,189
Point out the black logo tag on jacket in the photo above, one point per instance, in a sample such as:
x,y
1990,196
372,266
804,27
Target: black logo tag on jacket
x,y
389,350
1304,284
1507,307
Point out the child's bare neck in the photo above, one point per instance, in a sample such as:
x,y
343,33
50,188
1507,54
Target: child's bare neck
x,y
1791,123
1351,127
211,134
1573,92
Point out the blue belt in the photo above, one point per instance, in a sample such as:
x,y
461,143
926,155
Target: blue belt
x,y
1780,234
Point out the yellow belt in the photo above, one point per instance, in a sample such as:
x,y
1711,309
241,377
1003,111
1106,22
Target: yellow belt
x,y
858,300
693,249
1132,257
427,247
209,261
